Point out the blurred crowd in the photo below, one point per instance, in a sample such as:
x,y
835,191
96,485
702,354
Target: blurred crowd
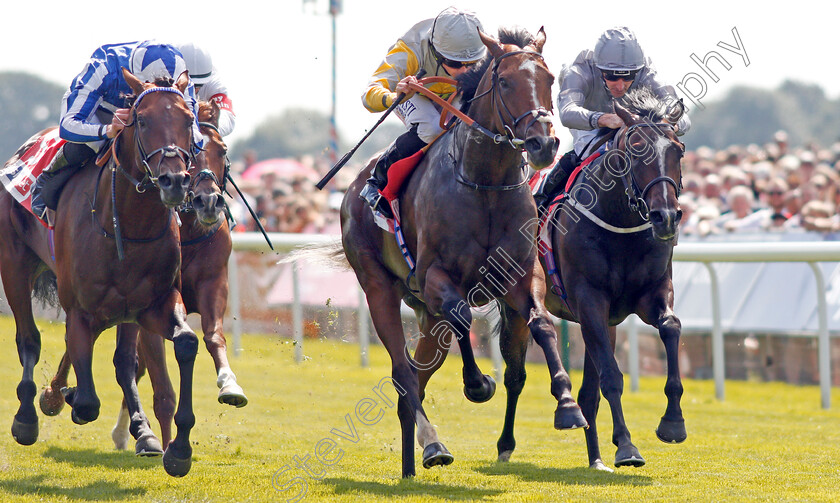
x,y
739,189
286,200
761,188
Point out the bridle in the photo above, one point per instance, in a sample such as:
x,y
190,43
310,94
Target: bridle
x,y
150,179
538,115
636,195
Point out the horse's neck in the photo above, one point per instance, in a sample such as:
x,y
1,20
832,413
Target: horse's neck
x,y
143,212
611,203
481,160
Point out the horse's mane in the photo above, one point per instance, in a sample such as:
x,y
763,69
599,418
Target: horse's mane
x,y
644,103
468,81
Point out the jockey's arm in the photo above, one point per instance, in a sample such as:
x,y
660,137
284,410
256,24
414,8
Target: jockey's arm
x,y
400,62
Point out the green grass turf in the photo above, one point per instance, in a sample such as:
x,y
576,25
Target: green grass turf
x,y
766,442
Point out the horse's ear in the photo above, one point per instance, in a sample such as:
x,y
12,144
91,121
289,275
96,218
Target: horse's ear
x,y
183,81
625,114
675,112
540,40
132,81
492,44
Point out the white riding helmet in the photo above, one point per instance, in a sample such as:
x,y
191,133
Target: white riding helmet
x,y
199,62
152,60
618,50
455,35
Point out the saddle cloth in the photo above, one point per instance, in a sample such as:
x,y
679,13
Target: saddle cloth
x,y
18,176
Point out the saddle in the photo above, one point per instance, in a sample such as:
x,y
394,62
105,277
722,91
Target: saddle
x,y
36,156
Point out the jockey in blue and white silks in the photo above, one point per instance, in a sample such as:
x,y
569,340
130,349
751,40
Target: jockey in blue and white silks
x,y
88,106
94,109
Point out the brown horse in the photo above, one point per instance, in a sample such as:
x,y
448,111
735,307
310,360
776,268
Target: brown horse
x,y
205,249
611,265
117,257
461,211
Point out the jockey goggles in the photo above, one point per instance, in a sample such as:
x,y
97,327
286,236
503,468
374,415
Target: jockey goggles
x,y
614,75
451,63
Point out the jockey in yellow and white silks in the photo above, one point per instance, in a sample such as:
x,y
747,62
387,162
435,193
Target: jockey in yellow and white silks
x,y
444,46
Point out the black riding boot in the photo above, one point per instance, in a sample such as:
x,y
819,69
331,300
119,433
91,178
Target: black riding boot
x,y
407,144
556,179
48,185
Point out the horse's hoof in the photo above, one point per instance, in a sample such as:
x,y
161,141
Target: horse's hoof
x,y
76,419
232,394
628,455
482,393
569,417
504,457
148,446
600,466
671,432
51,402
25,433
436,454
175,466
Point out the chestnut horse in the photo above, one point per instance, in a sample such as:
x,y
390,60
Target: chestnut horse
x,y
612,242
205,249
117,258
461,211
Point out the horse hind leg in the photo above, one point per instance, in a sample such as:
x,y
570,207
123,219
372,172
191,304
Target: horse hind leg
x,y
51,401
589,398
125,364
513,343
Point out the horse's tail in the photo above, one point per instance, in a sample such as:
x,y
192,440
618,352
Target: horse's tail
x,y
45,289
330,254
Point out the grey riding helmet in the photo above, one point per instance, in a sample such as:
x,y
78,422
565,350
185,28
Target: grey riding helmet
x,y
618,51
455,35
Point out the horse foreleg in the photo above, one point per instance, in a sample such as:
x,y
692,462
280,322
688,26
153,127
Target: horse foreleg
x,y
443,297
599,348
528,298
125,365
52,401
384,302
656,310
212,303
513,343
80,339
151,353
170,318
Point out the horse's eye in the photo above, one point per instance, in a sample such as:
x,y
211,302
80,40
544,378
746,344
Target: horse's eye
x,y
141,121
503,83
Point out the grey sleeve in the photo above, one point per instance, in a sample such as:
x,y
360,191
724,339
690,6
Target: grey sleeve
x,y
570,101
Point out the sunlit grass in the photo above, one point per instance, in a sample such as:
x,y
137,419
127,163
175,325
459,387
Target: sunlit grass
x,y
766,442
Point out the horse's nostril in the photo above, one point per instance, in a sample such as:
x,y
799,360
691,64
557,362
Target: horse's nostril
x,y
678,218
656,217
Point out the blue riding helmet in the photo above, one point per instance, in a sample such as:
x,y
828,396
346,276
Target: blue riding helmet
x,y
152,60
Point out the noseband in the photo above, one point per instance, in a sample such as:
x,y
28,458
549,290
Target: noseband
x,y
635,195
206,174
